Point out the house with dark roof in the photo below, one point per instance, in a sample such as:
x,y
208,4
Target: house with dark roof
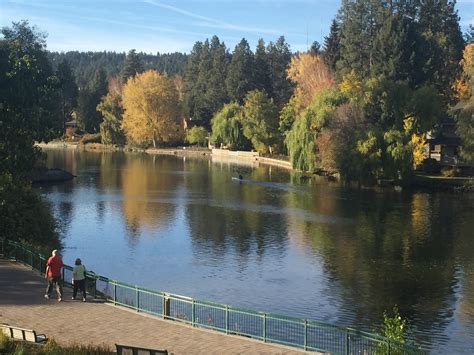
x,y
443,144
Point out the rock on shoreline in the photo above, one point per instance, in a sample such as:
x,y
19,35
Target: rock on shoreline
x,y
51,175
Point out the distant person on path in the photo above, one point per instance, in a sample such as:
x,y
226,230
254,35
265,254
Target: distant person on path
x,y
53,274
79,279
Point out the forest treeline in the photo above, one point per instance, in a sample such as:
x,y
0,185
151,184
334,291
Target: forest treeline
x,y
85,64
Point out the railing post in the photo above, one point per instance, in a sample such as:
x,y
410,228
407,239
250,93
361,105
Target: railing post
x,y
62,274
193,316
347,342
305,339
226,319
137,298
115,293
264,327
166,306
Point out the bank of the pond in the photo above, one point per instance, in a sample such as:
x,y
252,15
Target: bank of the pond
x,y
239,157
254,159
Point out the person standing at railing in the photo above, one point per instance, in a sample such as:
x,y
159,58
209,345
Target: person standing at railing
x,y
53,275
79,279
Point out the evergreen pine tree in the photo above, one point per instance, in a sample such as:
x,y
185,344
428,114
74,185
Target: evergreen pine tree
x,y
315,48
441,44
68,90
360,21
88,99
217,92
240,72
131,66
332,46
191,73
202,106
262,69
279,57
394,53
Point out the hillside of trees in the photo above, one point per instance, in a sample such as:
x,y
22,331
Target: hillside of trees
x,y
85,64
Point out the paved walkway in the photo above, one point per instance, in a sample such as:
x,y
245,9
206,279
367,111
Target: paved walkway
x,y
22,304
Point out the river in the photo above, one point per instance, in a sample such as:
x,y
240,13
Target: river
x,y
274,243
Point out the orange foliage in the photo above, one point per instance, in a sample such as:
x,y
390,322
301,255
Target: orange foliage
x,y
464,85
311,75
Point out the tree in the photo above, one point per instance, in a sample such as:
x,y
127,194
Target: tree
x,y
240,72
29,112
203,109
311,75
332,46
395,50
261,73
441,44
111,127
88,99
260,120
315,48
279,56
131,66
465,114
152,110
300,143
216,83
287,117
68,91
29,99
227,129
197,135
359,23
191,74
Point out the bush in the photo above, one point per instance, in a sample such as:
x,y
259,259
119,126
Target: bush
x,y
450,171
10,346
197,135
91,138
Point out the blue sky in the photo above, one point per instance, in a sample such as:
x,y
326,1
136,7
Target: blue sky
x,y
169,25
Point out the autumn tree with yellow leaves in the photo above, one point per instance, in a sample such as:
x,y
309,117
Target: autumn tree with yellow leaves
x,y
311,75
465,115
152,110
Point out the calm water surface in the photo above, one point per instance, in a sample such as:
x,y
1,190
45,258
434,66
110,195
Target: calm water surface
x,y
305,249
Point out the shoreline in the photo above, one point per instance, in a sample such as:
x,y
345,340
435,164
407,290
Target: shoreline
x,y
253,159
217,155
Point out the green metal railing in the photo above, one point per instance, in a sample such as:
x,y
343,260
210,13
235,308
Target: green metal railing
x,y
296,332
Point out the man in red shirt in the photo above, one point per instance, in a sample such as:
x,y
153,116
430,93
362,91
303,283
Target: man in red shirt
x,y
53,274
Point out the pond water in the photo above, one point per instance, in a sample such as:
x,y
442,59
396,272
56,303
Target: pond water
x,y
275,243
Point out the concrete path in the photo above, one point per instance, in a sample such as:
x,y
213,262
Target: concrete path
x,y
22,304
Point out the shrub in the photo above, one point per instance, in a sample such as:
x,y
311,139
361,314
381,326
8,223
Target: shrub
x,y
91,138
450,171
197,135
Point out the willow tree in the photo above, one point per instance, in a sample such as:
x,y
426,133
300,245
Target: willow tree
x,y
151,109
227,129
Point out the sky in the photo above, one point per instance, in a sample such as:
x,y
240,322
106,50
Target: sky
x,y
165,26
